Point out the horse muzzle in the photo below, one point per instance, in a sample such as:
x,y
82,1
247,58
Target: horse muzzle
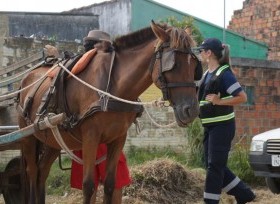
x,y
186,112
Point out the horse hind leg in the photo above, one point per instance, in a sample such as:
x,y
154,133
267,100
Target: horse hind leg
x,y
30,158
46,160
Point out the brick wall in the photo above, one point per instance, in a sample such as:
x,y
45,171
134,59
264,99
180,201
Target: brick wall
x,y
262,80
260,20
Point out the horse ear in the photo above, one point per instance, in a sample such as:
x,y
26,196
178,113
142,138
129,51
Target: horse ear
x,y
188,30
159,32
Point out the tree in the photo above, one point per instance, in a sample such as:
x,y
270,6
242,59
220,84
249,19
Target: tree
x,y
186,23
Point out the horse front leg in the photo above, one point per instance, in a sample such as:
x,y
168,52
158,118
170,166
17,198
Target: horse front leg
x,y
89,157
112,195
47,158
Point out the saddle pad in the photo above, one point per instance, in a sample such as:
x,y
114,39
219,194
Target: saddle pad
x,y
83,62
79,66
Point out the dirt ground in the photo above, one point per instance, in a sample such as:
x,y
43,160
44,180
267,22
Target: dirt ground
x,y
163,181
264,196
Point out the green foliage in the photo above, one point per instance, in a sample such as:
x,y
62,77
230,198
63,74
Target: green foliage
x,y
53,38
136,156
58,181
186,22
239,163
195,144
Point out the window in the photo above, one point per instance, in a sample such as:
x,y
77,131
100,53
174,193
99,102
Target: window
x,y
250,91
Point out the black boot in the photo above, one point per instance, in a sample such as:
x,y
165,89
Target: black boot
x,y
242,193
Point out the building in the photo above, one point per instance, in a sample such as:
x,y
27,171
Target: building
x,y
259,20
119,17
259,76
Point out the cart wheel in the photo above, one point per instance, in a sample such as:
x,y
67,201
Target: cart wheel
x,y
13,195
273,184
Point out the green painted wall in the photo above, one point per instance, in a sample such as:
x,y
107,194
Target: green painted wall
x,y
143,11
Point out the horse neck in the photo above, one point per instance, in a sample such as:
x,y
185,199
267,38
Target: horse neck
x,y
132,75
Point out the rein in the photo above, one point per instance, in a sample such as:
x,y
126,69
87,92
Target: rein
x,y
164,85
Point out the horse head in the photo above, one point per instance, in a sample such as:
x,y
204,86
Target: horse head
x,y
175,70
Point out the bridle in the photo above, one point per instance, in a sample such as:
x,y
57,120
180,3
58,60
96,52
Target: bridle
x,y
166,59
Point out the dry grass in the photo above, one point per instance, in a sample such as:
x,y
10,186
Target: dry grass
x,y
164,181
152,93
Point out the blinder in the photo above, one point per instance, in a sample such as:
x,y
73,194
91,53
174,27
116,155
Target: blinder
x,y
168,60
167,63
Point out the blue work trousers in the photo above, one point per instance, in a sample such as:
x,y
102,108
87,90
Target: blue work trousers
x,y
217,143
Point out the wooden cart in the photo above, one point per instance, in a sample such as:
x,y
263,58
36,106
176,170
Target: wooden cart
x,y
13,180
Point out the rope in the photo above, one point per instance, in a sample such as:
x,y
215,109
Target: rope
x,y
60,141
117,98
103,92
156,124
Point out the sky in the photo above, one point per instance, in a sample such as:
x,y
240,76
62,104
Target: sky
x,y
208,10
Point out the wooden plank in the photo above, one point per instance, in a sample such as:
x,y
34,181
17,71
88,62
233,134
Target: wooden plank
x,y
29,130
6,103
10,80
3,97
21,63
17,77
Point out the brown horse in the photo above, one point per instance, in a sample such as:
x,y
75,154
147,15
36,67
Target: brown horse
x,y
157,54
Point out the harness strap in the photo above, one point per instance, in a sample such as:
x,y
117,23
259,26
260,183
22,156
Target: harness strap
x,y
181,84
105,98
29,101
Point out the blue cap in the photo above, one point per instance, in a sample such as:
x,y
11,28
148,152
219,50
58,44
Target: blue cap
x,y
211,44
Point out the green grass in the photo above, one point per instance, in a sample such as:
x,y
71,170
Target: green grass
x,y
58,181
152,93
136,156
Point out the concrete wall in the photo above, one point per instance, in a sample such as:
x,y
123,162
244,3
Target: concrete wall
x,y
49,26
15,49
114,16
43,28
161,135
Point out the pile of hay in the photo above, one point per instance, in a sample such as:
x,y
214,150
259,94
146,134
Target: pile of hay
x,y
164,181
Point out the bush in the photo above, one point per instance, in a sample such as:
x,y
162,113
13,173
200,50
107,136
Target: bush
x,y
239,163
195,144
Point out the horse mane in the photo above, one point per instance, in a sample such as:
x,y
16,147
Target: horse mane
x,y
179,38
133,39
